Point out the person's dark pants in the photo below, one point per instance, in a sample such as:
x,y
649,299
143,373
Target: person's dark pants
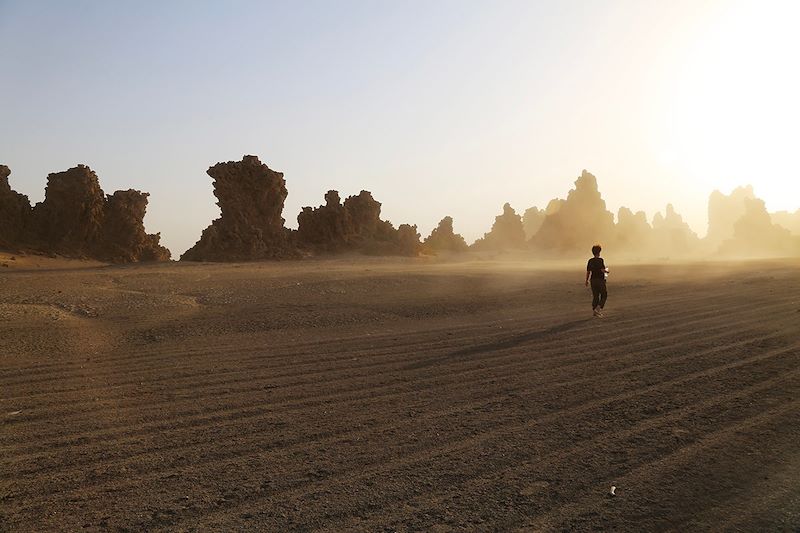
x,y
599,293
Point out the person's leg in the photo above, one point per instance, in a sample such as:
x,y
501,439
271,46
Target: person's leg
x,y
598,298
595,296
603,295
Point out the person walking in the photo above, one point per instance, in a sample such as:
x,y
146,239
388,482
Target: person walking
x,y
596,275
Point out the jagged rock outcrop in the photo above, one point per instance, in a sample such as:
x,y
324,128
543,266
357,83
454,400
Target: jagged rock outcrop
x,y
739,225
724,211
408,243
250,197
754,234
444,239
325,228
788,220
70,218
354,226
575,224
673,236
75,219
532,221
15,212
554,205
507,232
634,233
122,237
364,218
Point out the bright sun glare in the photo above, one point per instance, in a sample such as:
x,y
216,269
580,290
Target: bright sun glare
x,y
733,111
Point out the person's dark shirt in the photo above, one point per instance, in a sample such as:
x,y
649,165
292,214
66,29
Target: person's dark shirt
x,y
597,267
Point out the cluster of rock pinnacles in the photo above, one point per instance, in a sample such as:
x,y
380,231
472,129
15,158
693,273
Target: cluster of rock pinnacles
x,y
250,196
76,219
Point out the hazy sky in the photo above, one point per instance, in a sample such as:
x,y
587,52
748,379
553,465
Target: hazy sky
x,y
438,107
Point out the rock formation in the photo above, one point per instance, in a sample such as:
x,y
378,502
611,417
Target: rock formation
x,y
532,221
788,220
122,236
69,219
354,226
739,225
673,236
634,233
507,232
444,239
554,205
76,220
754,234
575,224
250,197
408,240
364,218
724,211
15,212
326,227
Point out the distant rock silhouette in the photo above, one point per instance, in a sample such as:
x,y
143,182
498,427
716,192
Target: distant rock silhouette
x,y
788,220
408,243
325,228
122,236
507,233
15,212
739,225
724,211
444,239
575,224
532,221
754,234
77,220
354,226
70,218
554,206
365,224
673,236
250,197
633,233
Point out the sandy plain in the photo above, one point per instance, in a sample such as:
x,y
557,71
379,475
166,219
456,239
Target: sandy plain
x,y
418,395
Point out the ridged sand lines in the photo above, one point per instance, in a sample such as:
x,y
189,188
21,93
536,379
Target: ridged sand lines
x,y
480,370
499,428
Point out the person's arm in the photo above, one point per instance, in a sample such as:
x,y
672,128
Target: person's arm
x,y
588,273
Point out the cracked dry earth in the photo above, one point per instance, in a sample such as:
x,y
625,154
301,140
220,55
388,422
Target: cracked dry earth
x,y
371,395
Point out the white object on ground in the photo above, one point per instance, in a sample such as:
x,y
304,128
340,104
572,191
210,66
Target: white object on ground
x,y
613,490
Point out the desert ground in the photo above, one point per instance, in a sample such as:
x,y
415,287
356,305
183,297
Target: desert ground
x,y
398,395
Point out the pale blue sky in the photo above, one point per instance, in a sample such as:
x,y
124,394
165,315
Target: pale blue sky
x,y
438,107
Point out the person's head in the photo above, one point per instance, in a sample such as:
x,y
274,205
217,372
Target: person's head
x,y
596,249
